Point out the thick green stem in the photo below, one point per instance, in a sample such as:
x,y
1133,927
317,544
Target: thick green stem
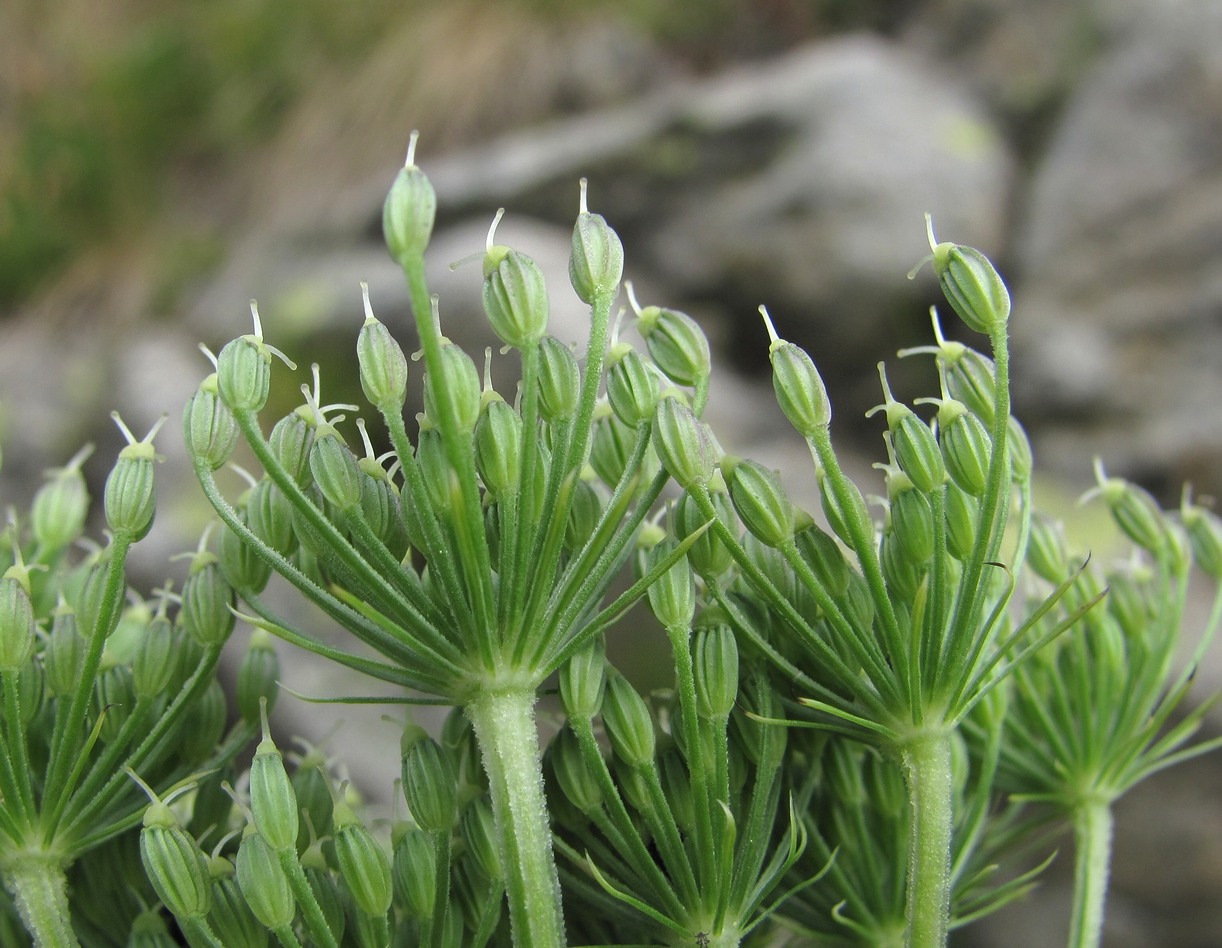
x,y
40,892
1092,826
927,769
504,723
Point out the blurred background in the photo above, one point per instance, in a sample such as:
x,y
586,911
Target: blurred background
x,y
163,162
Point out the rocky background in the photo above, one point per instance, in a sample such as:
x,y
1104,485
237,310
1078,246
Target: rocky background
x,y
159,168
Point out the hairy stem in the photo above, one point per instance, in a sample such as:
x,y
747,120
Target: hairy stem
x,y
39,888
1092,826
927,769
504,723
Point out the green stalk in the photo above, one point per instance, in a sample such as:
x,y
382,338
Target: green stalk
x,y
927,769
504,723
1092,826
39,888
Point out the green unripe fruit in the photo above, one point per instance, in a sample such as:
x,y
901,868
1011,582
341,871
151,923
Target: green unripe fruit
x,y
207,601
1205,537
273,802
902,575
838,518
383,366
515,299
1047,553
429,784
672,597
64,653
611,448
263,882
440,481
174,863
596,264
583,515
258,676
912,525
382,510
335,470
632,389
628,722
1135,512
244,374
415,873
409,212
17,625
239,564
715,661
683,443
59,508
203,724
760,500
362,862
676,343
916,451
583,680
799,389
498,448
966,448
1018,445
972,286
821,553
576,782
457,387
90,600
971,379
114,696
559,379
131,498
290,442
231,918
709,556
962,520
155,662
479,833
208,426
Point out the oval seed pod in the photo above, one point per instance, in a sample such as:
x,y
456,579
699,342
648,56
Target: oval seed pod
x,y
583,680
632,388
90,599
203,724
596,263
576,783
498,448
429,784
901,574
239,564
971,379
114,696
672,597
273,802
823,555
966,449
415,872
676,343
559,379
760,500
515,298
154,666
912,525
971,285
209,428
59,508
962,520
1134,510
230,917
611,448
439,478
63,654
207,601
709,556
457,385
628,722
715,664
131,497
409,211
837,517
335,470
290,441
1047,551
683,443
263,882
383,366
479,834
1018,445
244,373
583,515
17,624
258,676
362,862
174,863
1204,530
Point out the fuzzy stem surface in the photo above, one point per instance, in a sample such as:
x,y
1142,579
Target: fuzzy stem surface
x,y
1092,826
927,771
40,891
504,723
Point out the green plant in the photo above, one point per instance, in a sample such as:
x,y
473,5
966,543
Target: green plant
x,y
859,730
